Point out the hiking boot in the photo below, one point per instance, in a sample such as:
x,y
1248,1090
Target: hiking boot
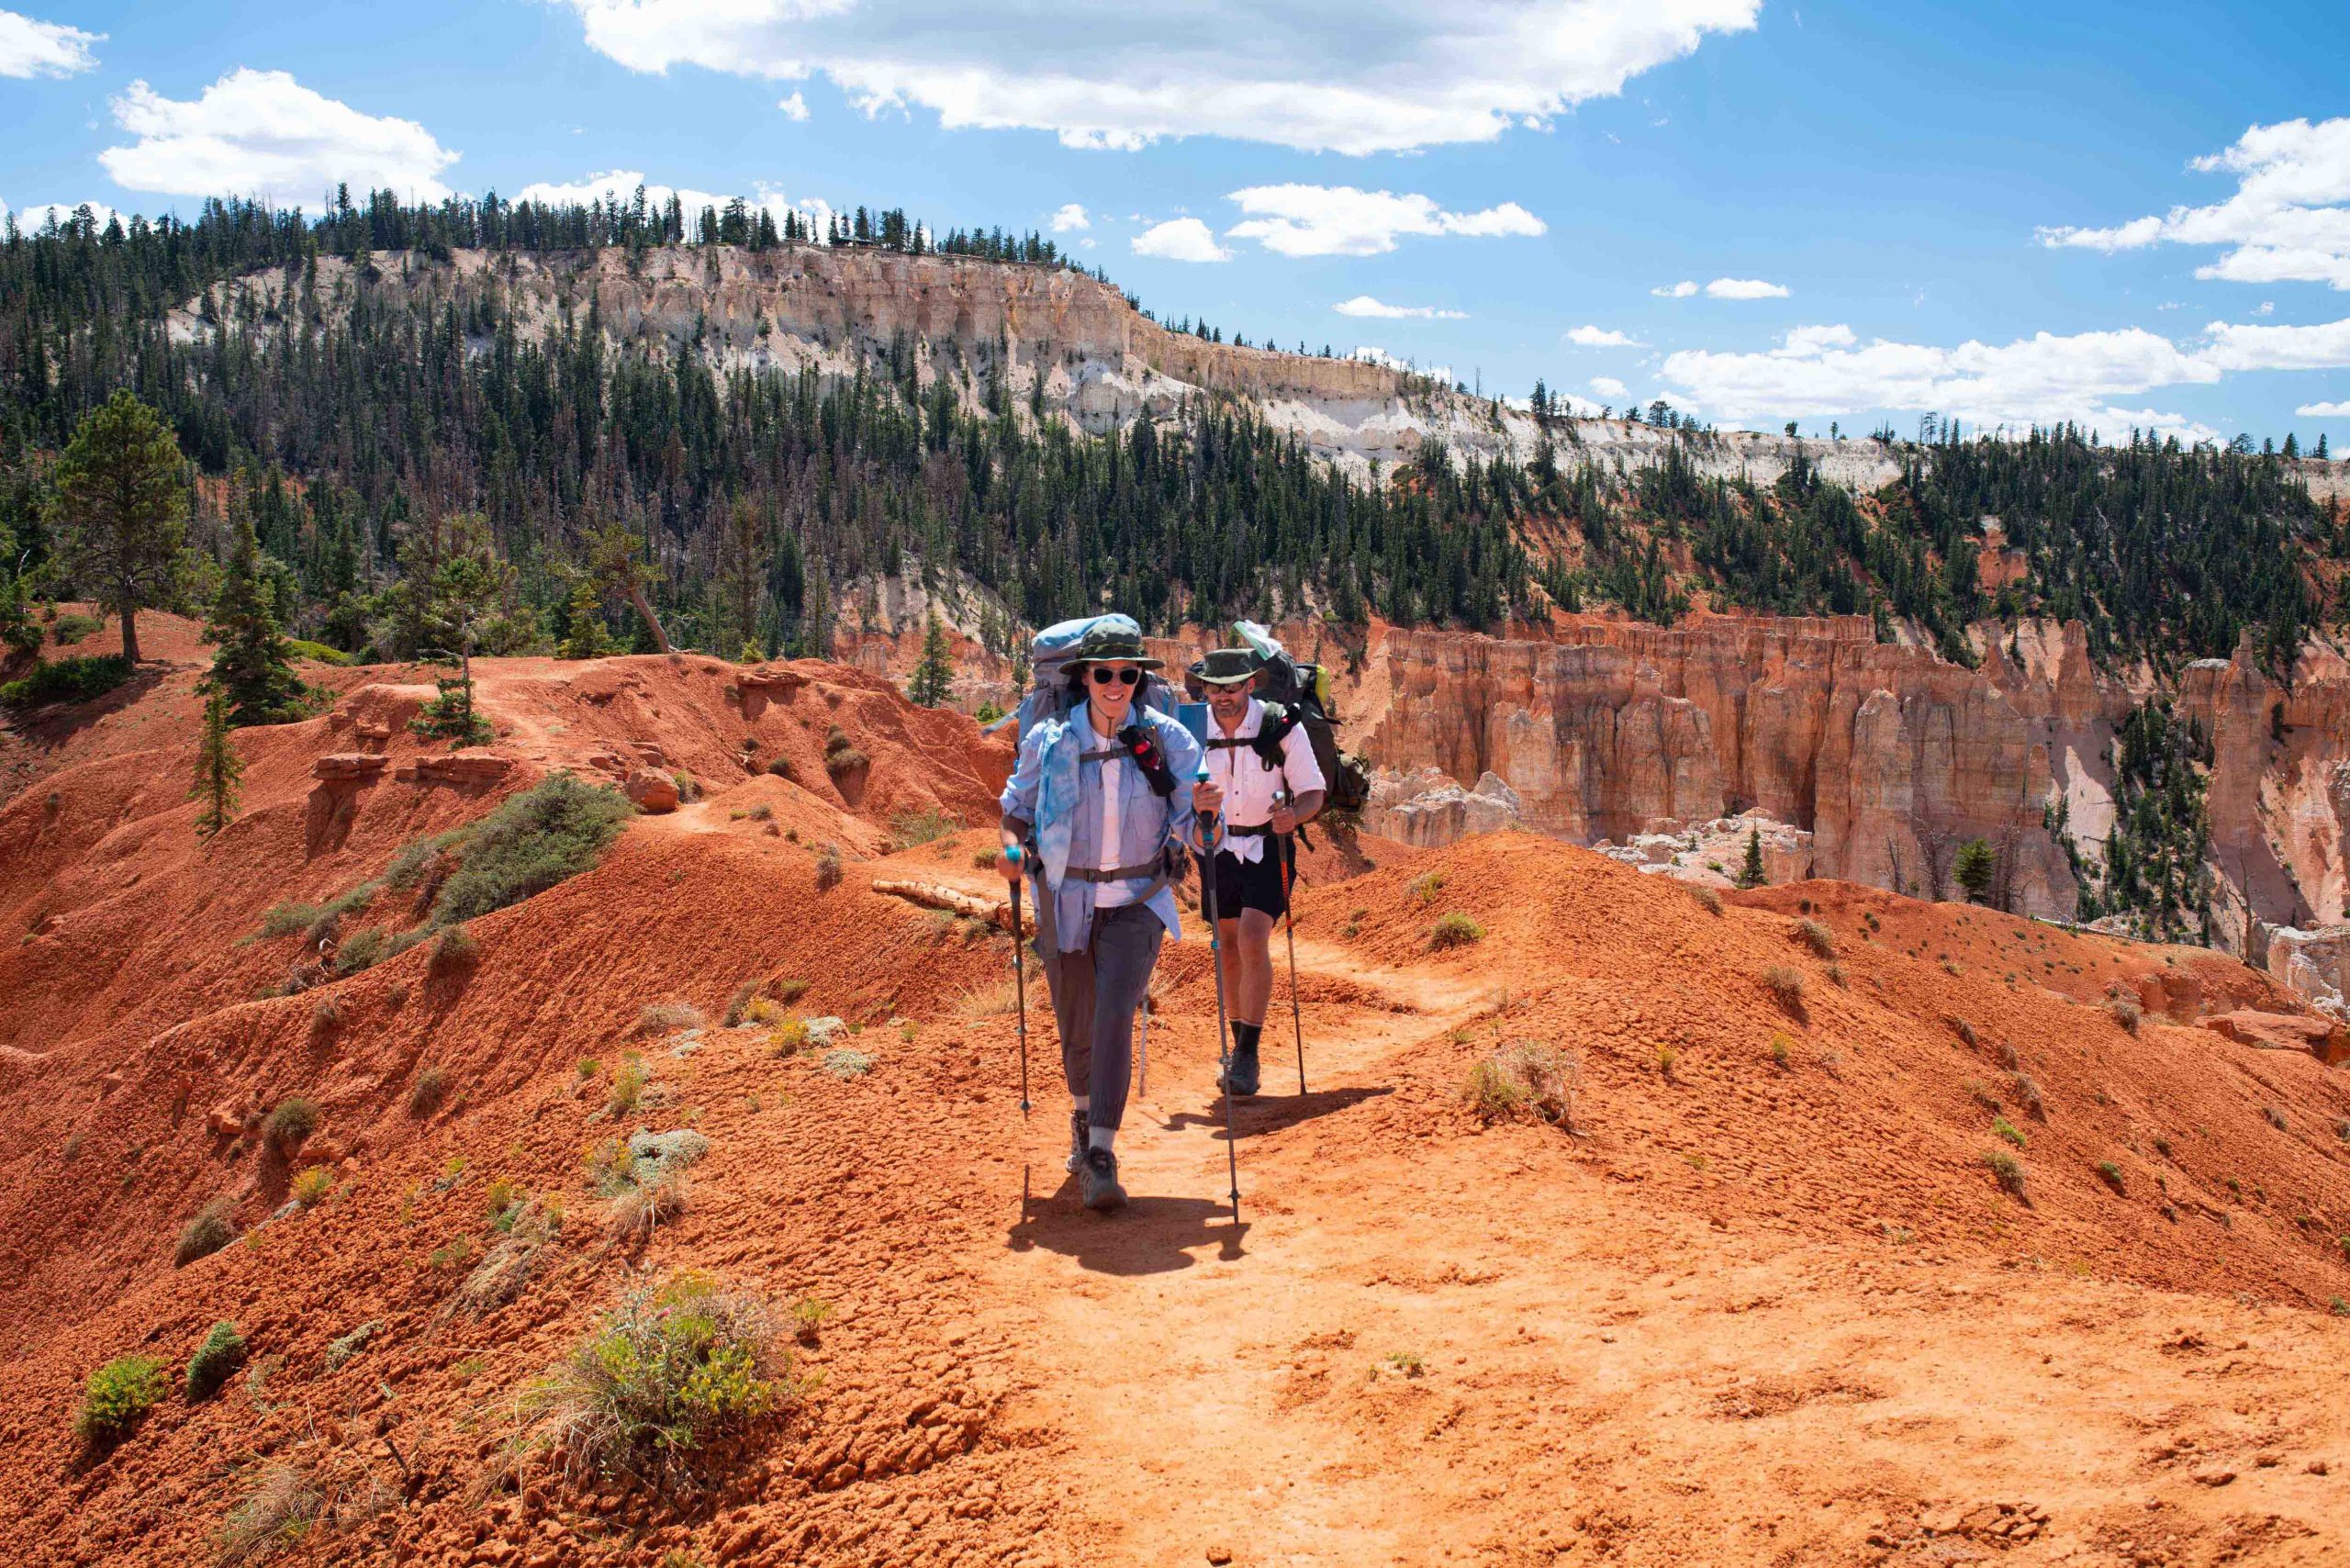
x,y
1077,1140
1097,1183
1239,1072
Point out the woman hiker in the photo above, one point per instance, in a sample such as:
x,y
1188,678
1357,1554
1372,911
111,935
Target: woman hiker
x,y
1263,779
1105,791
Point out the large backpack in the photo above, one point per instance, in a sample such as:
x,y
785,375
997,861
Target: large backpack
x,y
1302,691
1049,694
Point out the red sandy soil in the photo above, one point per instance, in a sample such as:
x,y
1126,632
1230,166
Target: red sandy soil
x,y
1749,1310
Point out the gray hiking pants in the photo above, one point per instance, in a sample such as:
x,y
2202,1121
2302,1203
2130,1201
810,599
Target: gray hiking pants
x,y
1095,993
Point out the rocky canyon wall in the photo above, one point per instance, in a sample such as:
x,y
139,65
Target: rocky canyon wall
x,y
1888,757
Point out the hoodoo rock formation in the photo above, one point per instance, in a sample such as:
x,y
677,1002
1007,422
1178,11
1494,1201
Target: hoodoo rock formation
x,y
1891,757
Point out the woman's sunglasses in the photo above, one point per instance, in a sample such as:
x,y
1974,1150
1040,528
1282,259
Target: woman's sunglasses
x,y
1122,676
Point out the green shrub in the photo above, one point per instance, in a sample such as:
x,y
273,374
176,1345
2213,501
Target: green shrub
x,y
627,1086
2111,1174
1454,930
288,1124
1425,886
672,1368
206,1234
319,653
360,950
2010,1132
117,1397
2007,1169
782,767
72,626
455,953
222,1352
311,1186
552,830
66,680
284,919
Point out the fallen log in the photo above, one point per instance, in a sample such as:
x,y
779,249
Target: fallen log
x,y
930,895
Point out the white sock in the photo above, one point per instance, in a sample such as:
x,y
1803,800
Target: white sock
x,y
1099,1137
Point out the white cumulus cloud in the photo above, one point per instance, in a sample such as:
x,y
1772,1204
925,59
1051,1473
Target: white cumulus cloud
x,y
617,187
30,48
794,107
2240,347
1364,305
34,219
1722,288
2289,221
2340,410
1600,338
2036,380
261,133
1340,221
1608,386
1381,75
1069,217
1181,240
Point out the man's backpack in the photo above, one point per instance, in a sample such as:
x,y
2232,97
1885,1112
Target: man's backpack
x,y
1049,694
1302,693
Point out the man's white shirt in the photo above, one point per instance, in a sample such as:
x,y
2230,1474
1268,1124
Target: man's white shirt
x,y
1249,786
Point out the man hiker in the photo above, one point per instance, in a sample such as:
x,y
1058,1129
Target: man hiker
x,y
1263,779
1105,790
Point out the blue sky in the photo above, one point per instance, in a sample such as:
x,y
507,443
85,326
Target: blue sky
x,y
1823,211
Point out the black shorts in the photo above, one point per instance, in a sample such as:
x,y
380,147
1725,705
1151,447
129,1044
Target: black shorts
x,y
1241,884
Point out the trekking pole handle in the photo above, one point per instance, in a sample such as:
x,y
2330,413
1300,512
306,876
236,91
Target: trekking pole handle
x,y
1012,854
1207,834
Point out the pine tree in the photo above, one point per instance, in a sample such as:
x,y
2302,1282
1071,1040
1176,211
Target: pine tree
x,y
587,639
1750,874
122,510
217,767
467,584
934,672
1975,868
252,665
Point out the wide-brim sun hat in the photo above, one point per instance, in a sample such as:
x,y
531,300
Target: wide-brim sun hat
x,y
1226,666
1108,644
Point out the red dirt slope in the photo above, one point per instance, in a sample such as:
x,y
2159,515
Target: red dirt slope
x,y
1768,1305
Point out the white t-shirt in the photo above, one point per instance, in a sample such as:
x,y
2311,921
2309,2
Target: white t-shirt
x,y
1109,895
1249,786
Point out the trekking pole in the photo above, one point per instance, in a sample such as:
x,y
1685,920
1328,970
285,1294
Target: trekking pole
x,y
1222,1031
1289,924
1019,983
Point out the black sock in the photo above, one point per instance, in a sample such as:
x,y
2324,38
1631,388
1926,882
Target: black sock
x,y
1244,1036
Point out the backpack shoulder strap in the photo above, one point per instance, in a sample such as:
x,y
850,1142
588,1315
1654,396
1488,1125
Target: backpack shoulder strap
x,y
1273,730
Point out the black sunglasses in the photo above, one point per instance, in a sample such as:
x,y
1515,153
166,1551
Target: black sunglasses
x,y
1122,676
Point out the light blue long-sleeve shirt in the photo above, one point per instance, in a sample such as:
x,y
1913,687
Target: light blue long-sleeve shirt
x,y
1060,797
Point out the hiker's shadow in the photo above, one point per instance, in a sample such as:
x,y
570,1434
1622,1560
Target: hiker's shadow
x,y
1151,1235
1257,1114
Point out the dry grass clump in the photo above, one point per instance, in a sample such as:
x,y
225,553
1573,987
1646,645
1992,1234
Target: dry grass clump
x,y
787,1039
2126,1012
666,1017
672,1369
2009,1169
206,1234
2027,1095
828,868
424,1096
1454,930
1962,1029
456,954
1524,1078
1425,886
626,1088
1709,899
275,1515
642,1209
1786,984
841,756
911,830
991,998
510,1266
1817,937
809,1316
2273,1116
